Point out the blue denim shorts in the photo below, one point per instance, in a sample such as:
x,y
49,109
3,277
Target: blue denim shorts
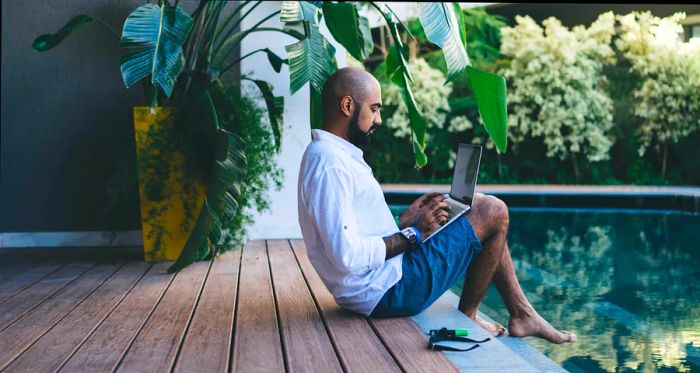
x,y
430,270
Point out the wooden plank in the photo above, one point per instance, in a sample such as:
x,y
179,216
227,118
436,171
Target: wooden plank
x,y
307,346
10,270
156,345
49,352
207,345
21,334
257,346
408,344
359,348
22,303
20,278
104,348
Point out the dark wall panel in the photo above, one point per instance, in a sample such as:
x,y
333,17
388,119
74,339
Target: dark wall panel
x,y
66,119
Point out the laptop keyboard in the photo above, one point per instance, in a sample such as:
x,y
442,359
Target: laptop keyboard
x,y
456,208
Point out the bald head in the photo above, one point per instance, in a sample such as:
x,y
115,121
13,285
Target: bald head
x,y
348,81
351,103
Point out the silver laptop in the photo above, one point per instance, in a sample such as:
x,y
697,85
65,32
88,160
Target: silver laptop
x,y
463,183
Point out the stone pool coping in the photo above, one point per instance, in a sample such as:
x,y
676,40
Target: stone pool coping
x,y
659,198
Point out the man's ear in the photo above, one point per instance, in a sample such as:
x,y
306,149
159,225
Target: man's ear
x,y
346,105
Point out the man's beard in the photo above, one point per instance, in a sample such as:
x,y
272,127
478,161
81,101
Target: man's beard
x,y
358,137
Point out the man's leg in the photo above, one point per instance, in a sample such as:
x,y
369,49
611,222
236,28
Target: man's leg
x,y
489,217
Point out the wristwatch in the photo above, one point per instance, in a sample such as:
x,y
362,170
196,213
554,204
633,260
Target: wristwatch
x,y
411,236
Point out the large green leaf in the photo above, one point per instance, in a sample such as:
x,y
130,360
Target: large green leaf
x,y
415,118
228,169
157,33
311,60
298,11
228,172
275,109
460,23
490,92
47,41
399,73
349,28
442,29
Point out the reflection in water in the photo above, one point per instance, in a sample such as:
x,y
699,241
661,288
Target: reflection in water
x,y
626,284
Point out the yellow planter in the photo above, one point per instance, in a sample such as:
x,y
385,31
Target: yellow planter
x,y
171,194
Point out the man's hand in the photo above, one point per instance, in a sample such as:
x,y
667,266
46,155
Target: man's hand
x,y
427,213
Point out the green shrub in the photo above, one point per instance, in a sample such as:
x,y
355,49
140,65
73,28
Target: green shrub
x,y
242,114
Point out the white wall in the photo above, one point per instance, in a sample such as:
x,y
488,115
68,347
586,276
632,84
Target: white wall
x,y
282,220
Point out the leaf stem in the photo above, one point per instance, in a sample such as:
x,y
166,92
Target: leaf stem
x,y
239,60
252,29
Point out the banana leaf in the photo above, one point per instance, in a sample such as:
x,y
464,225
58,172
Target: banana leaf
x,y
460,23
228,172
157,35
442,29
490,92
275,109
299,11
399,73
311,60
349,28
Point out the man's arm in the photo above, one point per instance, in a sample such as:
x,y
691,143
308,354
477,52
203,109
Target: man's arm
x,y
395,245
426,214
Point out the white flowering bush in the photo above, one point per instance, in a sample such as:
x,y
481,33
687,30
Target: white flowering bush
x,y
668,98
430,94
556,86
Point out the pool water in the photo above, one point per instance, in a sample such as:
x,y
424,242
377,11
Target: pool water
x,y
626,283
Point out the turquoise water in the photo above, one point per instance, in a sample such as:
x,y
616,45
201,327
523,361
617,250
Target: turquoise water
x,y
626,283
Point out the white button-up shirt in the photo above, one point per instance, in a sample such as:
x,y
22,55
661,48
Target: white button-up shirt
x,y
343,217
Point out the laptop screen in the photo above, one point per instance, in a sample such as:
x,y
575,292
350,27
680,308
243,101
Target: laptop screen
x,y
465,173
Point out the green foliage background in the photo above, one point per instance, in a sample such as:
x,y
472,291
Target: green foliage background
x,y
392,160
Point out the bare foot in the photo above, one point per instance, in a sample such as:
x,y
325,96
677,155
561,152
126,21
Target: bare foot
x,y
534,325
495,329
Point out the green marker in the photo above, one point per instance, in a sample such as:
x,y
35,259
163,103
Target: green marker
x,y
444,332
461,332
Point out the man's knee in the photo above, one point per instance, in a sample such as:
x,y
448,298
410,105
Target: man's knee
x,y
496,211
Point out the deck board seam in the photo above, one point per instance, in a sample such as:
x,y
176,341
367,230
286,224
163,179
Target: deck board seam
x,y
343,363
191,316
277,311
229,368
25,313
48,329
150,313
386,345
99,323
20,291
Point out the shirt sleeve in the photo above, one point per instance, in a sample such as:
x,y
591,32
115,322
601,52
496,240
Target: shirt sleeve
x,y
330,204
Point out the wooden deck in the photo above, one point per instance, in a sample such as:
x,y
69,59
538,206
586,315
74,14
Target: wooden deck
x,y
262,308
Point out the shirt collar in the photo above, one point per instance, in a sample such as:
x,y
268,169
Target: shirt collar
x,y
318,134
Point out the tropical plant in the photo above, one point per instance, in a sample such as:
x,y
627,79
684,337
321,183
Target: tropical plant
x,y
668,98
186,55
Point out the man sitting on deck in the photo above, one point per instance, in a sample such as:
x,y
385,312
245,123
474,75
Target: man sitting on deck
x,y
357,248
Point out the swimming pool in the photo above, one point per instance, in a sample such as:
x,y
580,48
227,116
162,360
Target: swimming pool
x,y
626,283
